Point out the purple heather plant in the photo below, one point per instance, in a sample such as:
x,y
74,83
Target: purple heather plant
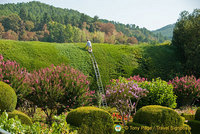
x,y
120,95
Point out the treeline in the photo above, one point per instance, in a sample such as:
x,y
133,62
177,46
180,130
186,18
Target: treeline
x,y
38,21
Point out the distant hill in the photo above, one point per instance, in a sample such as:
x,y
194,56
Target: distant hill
x,y
41,14
166,31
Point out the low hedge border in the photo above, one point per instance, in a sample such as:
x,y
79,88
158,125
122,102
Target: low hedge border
x,y
136,128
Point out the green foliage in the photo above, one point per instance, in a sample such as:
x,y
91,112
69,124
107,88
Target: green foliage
x,y
194,124
23,117
14,126
91,120
197,114
160,93
8,97
155,115
186,39
135,128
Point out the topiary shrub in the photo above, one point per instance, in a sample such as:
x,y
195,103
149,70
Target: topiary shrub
x,y
155,115
91,120
8,97
23,117
197,114
160,93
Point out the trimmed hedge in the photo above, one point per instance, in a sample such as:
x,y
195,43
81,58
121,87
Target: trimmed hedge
x,y
188,116
197,114
155,115
195,125
8,97
136,128
25,119
91,120
149,61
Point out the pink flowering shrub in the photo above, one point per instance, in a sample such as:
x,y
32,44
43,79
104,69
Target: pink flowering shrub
x,y
137,78
121,96
187,89
12,74
57,88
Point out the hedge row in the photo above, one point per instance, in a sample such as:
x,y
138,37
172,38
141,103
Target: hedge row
x,y
149,61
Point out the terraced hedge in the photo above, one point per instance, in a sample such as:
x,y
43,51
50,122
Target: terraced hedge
x,y
149,61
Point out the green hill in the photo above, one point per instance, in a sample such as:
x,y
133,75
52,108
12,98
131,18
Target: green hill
x,y
41,13
166,31
149,61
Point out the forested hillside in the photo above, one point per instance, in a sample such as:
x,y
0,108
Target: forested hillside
x,y
150,61
39,21
166,31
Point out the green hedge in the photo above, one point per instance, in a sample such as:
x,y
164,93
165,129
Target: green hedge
x,y
136,128
150,61
155,115
91,120
197,114
25,119
8,97
195,126
188,116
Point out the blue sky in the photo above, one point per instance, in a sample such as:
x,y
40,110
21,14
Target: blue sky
x,y
152,14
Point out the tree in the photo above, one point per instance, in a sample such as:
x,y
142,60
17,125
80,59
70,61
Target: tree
x,y
11,35
186,37
23,14
96,18
98,37
69,34
12,22
77,34
29,25
1,30
108,28
120,38
56,32
132,40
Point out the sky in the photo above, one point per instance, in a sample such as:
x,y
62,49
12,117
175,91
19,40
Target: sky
x,y
151,14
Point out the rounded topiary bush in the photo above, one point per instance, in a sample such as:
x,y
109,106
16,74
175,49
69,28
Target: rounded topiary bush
x,y
155,115
197,114
25,119
91,120
8,97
